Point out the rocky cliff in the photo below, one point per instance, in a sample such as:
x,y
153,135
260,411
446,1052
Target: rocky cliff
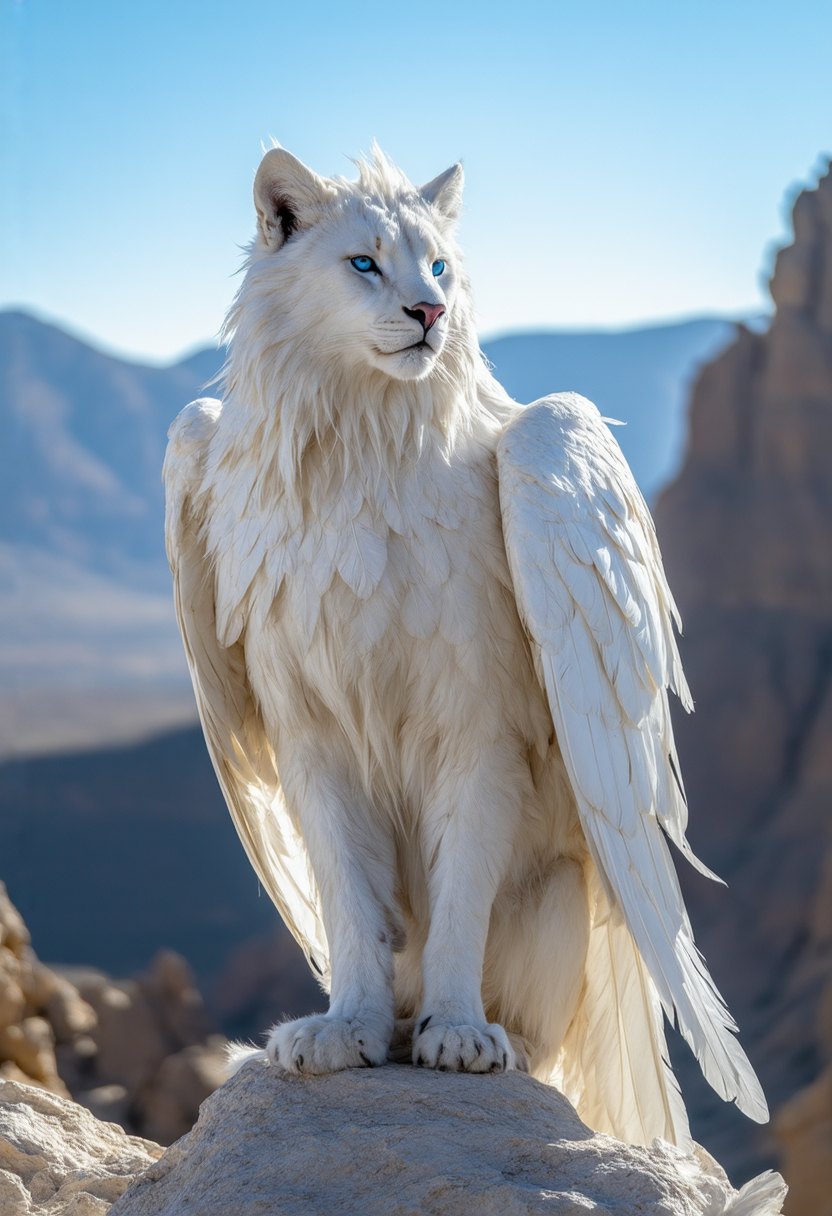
x,y
746,531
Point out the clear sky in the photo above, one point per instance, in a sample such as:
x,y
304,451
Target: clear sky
x,y
627,160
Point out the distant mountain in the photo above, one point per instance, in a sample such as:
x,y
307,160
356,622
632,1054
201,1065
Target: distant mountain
x,y
85,432
90,652
81,463
640,377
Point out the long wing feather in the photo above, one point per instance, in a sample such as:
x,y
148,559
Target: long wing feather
x,y
592,592
240,751
615,1067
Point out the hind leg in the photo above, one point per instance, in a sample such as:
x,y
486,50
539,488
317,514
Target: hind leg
x,y
535,958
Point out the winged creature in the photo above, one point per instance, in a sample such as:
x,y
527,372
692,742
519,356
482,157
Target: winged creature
x,y
431,641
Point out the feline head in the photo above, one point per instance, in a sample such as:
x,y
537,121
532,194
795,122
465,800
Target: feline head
x,y
361,274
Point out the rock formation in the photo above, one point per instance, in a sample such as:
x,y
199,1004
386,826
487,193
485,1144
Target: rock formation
x,y
39,1011
746,531
139,1052
155,1057
394,1141
56,1159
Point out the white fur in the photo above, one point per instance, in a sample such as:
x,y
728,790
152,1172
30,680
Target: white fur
x,y
350,617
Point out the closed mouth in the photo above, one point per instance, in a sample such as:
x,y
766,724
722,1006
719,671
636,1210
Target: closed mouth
x,y
421,345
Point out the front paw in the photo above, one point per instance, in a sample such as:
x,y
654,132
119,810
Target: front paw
x,y
484,1048
322,1044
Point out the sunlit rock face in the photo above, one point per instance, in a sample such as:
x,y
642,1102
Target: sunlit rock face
x,y
746,531
385,1141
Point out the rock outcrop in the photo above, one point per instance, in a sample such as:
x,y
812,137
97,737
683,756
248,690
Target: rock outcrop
x,y
139,1052
746,531
40,1013
56,1159
397,1141
155,1057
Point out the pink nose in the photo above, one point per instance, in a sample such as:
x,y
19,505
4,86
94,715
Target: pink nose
x,y
426,314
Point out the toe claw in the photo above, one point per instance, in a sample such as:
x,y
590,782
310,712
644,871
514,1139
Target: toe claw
x,y
366,1059
423,1024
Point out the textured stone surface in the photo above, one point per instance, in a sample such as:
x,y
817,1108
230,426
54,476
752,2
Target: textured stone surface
x,y
56,1159
746,532
399,1141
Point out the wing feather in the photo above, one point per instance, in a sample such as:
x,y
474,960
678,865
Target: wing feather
x,y
576,528
615,1047
240,751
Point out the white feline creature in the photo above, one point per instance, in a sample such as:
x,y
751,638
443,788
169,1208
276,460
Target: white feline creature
x,y
430,637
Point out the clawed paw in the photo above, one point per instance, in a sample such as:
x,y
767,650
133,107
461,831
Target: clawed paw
x,y
447,1048
322,1044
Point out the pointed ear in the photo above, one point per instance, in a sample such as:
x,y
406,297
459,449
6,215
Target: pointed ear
x,y
287,195
445,192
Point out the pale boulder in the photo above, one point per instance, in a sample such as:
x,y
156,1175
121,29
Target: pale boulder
x,y
399,1141
68,1014
56,1159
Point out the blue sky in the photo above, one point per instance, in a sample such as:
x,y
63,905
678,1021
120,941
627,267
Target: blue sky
x,y
626,160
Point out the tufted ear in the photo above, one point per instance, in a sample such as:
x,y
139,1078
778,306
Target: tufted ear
x,y
445,192
287,195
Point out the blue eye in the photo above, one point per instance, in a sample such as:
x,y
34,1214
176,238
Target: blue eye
x,y
364,264
437,268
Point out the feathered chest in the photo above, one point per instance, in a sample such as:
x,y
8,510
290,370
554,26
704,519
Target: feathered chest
x,y
359,559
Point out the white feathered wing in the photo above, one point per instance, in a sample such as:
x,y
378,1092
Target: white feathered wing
x,y
242,756
592,594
